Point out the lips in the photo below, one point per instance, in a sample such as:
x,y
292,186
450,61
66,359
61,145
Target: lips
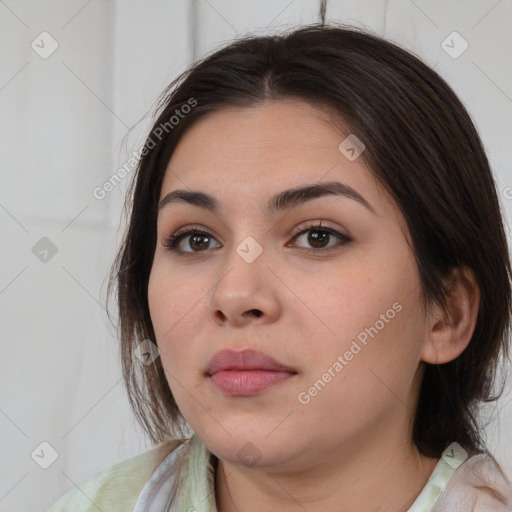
x,y
245,360
246,373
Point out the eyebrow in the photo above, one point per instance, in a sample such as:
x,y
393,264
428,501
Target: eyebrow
x,y
285,200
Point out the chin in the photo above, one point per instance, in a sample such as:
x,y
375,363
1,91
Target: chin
x,y
252,448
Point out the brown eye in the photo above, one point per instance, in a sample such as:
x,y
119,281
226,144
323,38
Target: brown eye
x,y
199,242
318,238
190,241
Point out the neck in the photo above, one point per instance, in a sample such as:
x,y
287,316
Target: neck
x,y
381,477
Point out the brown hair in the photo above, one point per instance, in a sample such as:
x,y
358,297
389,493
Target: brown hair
x,y
421,145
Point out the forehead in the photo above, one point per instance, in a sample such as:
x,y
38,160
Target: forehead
x,y
241,132
251,153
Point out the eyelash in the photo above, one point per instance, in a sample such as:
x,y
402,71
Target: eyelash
x,y
171,242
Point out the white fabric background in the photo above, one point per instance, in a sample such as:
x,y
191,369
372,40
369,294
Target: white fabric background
x,y
62,121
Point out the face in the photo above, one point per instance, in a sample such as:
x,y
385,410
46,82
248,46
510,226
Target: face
x,y
325,284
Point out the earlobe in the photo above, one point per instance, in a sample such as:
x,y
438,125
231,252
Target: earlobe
x,y
450,330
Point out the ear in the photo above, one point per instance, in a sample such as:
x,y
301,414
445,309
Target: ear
x,y
450,330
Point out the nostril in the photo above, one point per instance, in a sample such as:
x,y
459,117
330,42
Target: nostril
x,y
221,315
256,312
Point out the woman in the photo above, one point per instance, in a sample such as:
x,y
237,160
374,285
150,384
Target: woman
x,y
316,247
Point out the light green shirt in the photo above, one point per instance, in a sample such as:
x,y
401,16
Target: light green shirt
x,y
145,484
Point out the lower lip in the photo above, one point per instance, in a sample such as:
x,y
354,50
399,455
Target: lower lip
x,y
249,382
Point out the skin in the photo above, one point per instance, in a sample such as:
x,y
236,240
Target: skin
x,y
351,444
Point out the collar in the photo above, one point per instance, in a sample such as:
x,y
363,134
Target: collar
x,y
198,489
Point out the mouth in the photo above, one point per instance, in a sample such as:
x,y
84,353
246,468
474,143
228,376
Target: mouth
x,y
246,372
247,382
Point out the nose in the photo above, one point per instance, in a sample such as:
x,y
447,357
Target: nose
x,y
247,293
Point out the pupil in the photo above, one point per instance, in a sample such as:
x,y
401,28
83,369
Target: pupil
x,y
316,238
194,242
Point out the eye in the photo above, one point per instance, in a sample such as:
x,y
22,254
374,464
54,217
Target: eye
x,y
321,238
190,241
194,239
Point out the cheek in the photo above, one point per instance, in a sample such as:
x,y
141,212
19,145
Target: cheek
x,y
338,306
174,309
367,315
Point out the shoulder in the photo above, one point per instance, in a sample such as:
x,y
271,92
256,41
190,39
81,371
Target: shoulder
x,y
478,485
116,489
